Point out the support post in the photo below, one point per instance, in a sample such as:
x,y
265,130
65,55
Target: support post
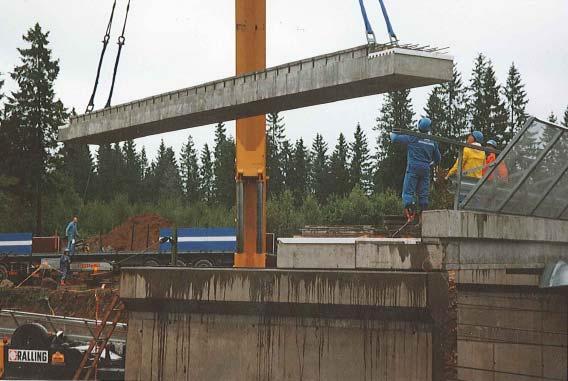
x,y
251,138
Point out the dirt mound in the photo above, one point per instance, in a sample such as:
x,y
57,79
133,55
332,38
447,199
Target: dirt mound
x,y
135,234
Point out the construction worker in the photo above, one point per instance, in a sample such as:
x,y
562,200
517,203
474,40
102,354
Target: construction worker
x,y
422,153
501,171
473,160
64,266
72,233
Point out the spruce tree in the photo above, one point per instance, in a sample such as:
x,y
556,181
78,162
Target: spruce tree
x,y
565,121
298,178
396,113
224,167
133,172
319,173
106,172
516,102
206,175
37,115
274,144
552,118
166,178
447,108
339,168
145,190
189,167
78,165
487,111
287,163
360,161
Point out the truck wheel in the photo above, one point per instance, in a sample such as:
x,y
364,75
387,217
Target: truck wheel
x,y
31,336
203,263
151,263
3,273
180,263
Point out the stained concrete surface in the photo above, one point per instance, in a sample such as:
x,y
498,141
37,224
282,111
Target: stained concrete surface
x,y
328,78
212,324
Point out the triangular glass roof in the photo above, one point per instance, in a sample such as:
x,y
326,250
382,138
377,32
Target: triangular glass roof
x,y
530,176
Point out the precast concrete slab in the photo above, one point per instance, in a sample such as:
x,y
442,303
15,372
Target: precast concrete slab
x,y
328,78
237,324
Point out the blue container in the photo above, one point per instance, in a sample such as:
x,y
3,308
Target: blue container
x,y
202,240
16,243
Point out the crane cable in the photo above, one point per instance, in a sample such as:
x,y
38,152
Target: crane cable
x,y
105,41
121,40
368,28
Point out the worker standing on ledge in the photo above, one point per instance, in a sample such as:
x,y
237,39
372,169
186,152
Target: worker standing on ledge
x,y
473,160
501,171
72,233
422,153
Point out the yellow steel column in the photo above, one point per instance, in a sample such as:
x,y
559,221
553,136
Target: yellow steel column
x,y
251,140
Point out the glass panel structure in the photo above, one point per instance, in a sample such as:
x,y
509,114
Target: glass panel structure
x,y
530,177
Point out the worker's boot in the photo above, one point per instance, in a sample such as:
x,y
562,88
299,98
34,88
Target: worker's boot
x,y
410,213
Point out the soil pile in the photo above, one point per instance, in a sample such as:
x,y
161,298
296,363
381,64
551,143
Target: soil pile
x,y
135,234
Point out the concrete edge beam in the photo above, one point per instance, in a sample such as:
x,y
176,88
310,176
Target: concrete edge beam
x,y
337,76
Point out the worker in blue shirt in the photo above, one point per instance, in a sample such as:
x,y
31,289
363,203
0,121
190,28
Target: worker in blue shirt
x,y
422,153
72,233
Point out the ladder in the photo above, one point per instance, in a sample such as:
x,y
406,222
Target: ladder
x,y
100,339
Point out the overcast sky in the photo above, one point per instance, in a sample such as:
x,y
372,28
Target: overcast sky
x,y
172,44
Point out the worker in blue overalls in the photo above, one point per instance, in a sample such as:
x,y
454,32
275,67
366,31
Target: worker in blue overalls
x,y
72,233
422,153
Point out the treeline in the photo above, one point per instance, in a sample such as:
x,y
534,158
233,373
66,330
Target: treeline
x,y
352,181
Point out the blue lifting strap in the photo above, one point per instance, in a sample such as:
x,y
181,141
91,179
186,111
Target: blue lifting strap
x,y
368,28
392,35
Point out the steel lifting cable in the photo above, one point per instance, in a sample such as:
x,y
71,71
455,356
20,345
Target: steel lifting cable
x,y
106,39
120,42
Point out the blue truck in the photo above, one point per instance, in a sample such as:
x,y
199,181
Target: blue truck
x,y
20,253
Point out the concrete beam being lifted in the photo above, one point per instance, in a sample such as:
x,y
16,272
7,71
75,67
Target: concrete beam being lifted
x,y
328,78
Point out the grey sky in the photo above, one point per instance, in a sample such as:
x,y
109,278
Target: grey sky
x,y
172,44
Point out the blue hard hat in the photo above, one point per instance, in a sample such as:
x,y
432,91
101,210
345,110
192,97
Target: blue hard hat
x,y
492,143
424,124
478,136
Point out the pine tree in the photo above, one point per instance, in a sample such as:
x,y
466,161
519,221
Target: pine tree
x,y
145,189
360,161
206,175
37,115
396,113
447,108
339,168
487,110
298,178
319,174
189,167
565,121
552,118
274,144
224,167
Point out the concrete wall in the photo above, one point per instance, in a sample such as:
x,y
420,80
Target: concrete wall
x,y
323,79
359,253
215,324
512,334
